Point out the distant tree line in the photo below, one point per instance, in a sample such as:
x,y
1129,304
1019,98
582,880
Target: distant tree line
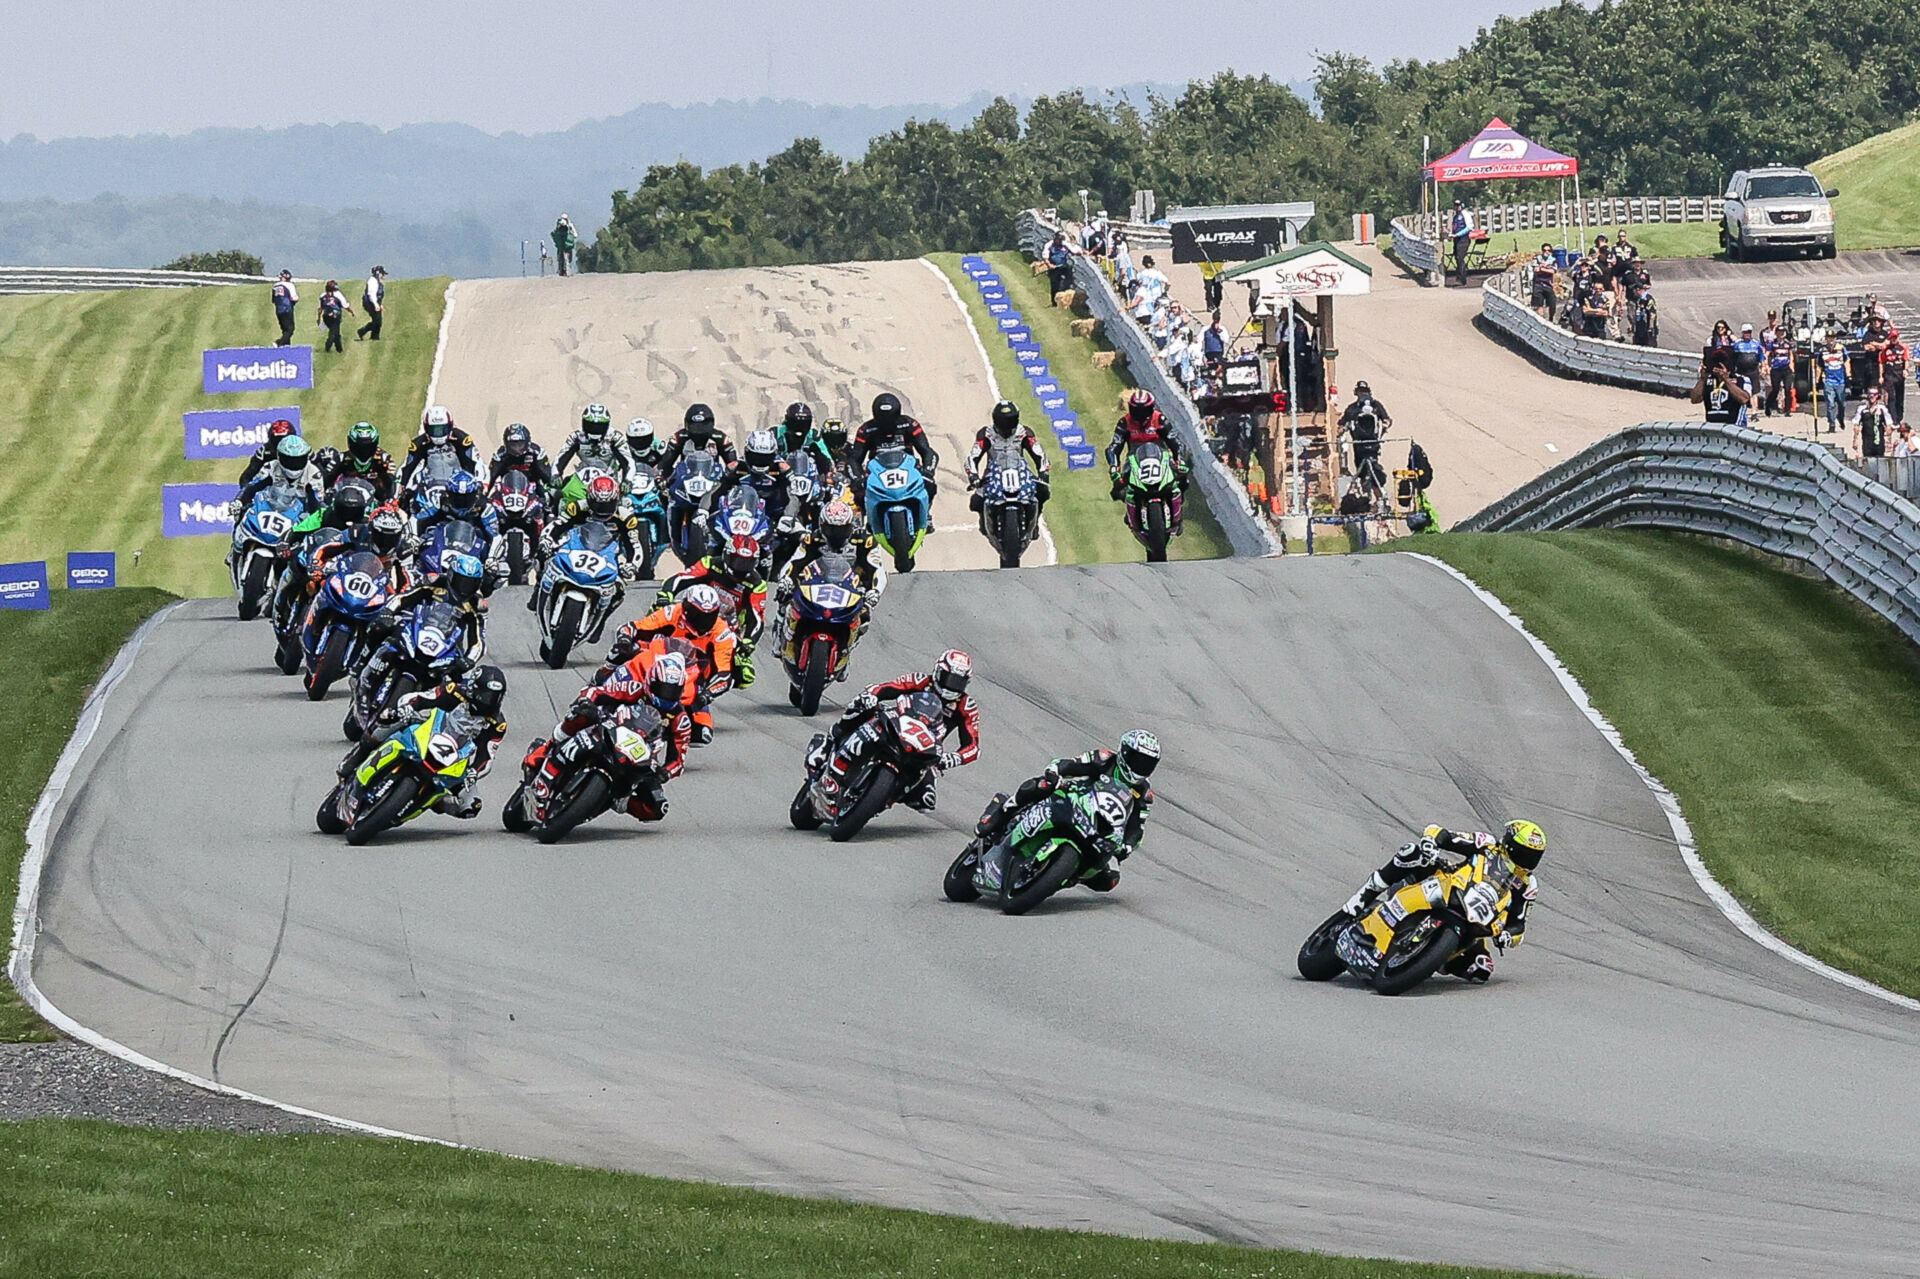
x,y
223,261
1654,96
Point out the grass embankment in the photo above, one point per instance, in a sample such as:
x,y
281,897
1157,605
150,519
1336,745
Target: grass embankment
x,y
1784,716
88,1198
51,660
1088,526
92,386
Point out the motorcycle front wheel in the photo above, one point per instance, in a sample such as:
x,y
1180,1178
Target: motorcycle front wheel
x,y
387,811
959,884
1405,966
814,676
1013,535
1155,531
900,537
800,812
1318,961
588,800
566,630
1024,885
327,819
881,785
513,814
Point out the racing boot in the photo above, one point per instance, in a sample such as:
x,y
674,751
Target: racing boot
x,y
1474,966
743,668
920,796
1369,892
463,803
702,734
993,822
1103,880
817,751
650,806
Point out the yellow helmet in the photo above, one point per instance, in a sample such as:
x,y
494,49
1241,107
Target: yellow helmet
x,y
1525,842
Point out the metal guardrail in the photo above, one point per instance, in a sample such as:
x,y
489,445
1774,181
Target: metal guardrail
x,y
1601,212
1648,368
1246,531
1413,247
1783,496
83,279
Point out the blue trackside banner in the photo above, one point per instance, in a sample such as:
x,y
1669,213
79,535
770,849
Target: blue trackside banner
x,y
24,585
89,570
227,433
256,368
196,510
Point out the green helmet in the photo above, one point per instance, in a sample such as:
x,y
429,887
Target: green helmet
x,y
595,420
363,441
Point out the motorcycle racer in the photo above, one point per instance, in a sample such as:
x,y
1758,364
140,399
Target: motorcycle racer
x,y
736,575
1143,424
697,619
839,534
697,431
1130,766
594,445
656,676
1521,842
950,677
277,430
890,425
761,469
293,468
603,504
438,434
462,499
796,424
830,443
642,448
473,703
365,460
1007,429
518,452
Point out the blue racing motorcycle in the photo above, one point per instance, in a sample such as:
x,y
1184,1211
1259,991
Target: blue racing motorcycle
x,y
643,499
577,590
266,523
897,508
354,592
689,496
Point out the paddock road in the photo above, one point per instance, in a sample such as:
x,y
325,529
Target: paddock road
x,y
1641,1090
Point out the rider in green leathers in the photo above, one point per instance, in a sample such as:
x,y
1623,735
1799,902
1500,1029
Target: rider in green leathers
x,y
1129,767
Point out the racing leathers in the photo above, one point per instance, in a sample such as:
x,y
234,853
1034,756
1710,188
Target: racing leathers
x,y
716,647
962,718
1095,765
747,596
684,442
376,472
625,526
484,730
310,482
533,464
458,443
989,443
606,452
770,484
627,685
654,456
1129,435
1436,848
862,550
875,435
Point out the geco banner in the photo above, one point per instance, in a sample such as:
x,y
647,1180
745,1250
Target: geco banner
x,y
25,585
256,368
89,570
232,432
196,510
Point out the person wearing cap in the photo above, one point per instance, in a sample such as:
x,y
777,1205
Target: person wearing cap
x,y
333,313
1460,227
285,299
1748,355
374,302
1871,424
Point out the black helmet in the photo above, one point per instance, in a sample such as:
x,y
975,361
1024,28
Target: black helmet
x,y
799,418
385,529
363,441
834,432
518,439
486,688
699,421
327,458
350,503
886,408
1006,416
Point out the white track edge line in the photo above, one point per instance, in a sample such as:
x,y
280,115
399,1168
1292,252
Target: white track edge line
x,y
986,362
1669,804
440,346
26,907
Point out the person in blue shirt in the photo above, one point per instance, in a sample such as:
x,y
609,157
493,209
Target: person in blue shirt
x,y
1059,256
285,299
1748,355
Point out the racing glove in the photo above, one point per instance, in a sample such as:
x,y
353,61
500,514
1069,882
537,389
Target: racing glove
x,y
949,760
1505,941
863,703
743,669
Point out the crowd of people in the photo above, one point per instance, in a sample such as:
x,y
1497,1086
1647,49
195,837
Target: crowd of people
x,y
1605,294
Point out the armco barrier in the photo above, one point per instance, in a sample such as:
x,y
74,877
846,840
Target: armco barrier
x,y
1648,368
83,279
1246,532
1783,496
1413,247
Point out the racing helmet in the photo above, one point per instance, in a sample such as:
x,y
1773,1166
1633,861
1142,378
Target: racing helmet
x,y
1524,842
462,494
486,688
280,429
667,679
951,674
350,503
603,495
291,453
517,441
698,421
385,528
363,441
438,424
639,437
836,525
1006,419
1139,754
798,420
886,408
1140,407
466,576
833,432
701,608
595,420
762,452
743,555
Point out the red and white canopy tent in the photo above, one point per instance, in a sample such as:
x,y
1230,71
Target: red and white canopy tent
x,y
1499,151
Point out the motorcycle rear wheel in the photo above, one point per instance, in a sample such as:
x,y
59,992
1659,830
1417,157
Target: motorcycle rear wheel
x,y
1050,879
1436,949
588,801
388,811
878,795
959,885
800,812
1318,961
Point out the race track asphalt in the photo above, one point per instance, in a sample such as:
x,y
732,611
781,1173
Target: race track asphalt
x,y
1641,1090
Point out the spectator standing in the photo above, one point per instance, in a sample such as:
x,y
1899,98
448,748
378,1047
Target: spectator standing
x,y
285,299
1646,319
1749,356
1213,343
1871,426
1903,445
1059,259
1724,392
374,303
565,241
1460,227
1832,363
1780,387
1153,281
1545,271
1894,359
1597,309
333,312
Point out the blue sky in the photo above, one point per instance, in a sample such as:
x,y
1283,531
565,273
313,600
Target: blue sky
x,y
89,67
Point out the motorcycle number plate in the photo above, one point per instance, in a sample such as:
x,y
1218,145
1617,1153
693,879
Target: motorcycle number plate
x,y
587,564
1010,479
273,524
918,735
895,479
360,584
800,486
641,485
829,596
514,501
1149,471
1481,903
698,485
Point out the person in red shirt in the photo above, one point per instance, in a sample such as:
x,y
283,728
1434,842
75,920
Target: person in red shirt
x,y
1894,359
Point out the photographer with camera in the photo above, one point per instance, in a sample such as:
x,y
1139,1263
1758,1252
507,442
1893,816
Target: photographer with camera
x,y
1722,387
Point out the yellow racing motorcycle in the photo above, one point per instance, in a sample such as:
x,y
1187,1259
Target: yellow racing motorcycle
x,y
411,769
1414,928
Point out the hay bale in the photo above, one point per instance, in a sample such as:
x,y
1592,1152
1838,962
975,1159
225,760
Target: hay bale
x,y
1109,360
1037,268
1070,299
1085,328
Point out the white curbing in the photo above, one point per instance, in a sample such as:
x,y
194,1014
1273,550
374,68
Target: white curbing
x,y
1682,833
26,922
986,362
440,347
